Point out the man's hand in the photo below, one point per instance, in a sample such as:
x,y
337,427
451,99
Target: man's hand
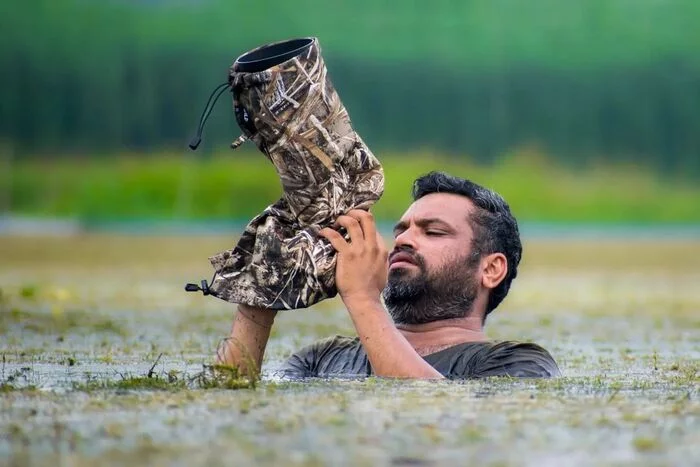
x,y
360,276
361,269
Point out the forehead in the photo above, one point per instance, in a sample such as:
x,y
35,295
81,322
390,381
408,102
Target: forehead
x,y
448,207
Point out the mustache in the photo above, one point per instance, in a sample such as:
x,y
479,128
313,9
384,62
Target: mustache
x,y
448,292
415,257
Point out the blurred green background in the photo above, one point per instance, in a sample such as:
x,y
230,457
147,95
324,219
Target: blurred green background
x,y
585,111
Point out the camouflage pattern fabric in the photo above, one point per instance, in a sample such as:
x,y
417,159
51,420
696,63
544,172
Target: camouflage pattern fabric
x,y
293,114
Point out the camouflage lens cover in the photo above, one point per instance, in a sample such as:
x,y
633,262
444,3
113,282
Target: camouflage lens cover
x,y
293,114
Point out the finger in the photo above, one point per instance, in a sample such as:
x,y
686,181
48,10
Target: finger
x,y
336,240
353,228
380,243
366,220
381,247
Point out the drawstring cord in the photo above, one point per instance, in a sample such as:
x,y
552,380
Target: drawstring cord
x,y
203,286
195,142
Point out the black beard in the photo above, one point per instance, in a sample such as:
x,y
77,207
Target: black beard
x,y
447,294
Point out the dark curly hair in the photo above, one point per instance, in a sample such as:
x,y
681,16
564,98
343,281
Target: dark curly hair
x,y
495,228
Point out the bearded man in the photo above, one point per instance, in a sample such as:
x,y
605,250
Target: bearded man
x,y
456,252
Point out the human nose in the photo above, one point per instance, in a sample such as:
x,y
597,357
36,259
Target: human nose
x,y
406,239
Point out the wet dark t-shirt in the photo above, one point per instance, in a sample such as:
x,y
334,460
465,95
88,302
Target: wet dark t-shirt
x,y
345,356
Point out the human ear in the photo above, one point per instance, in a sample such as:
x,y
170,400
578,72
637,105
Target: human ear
x,y
494,270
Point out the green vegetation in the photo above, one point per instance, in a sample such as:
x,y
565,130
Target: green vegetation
x,y
224,377
211,377
642,443
600,34
600,77
20,379
136,383
235,187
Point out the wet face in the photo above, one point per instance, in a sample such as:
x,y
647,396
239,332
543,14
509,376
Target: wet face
x,y
432,272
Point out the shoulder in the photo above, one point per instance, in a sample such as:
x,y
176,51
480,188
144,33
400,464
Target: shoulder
x,y
516,359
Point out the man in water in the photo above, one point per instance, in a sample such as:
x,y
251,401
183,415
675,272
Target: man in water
x,y
456,252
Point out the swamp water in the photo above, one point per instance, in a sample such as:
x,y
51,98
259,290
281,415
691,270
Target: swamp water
x,y
106,360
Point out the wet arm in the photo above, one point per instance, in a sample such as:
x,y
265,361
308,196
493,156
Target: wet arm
x,y
245,347
389,353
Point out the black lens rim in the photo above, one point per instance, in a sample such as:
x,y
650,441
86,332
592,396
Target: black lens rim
x,y
270,55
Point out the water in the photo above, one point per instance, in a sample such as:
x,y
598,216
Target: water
x,y
79,315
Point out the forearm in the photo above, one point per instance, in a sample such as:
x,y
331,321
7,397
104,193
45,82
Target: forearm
x,y
245,347
389,353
